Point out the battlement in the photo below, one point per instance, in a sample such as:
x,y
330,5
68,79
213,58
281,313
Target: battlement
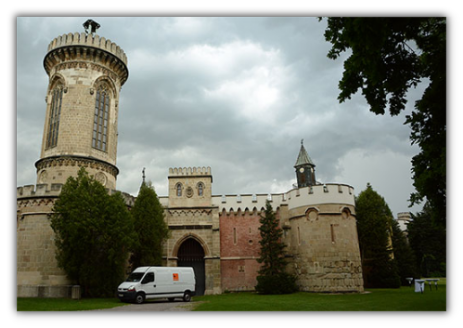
x,y
88,40
190,171
53,190
39,190
307,196
69,50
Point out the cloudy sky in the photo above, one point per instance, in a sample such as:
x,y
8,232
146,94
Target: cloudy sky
x,y
235,94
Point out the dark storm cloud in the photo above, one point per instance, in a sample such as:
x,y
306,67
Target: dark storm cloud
x,y
236,94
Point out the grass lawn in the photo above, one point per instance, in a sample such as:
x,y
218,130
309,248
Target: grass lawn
x,y
402,299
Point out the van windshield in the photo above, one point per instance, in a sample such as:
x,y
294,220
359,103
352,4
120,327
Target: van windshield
x,y
135,277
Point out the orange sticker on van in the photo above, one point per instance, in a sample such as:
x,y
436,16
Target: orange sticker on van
x,y
175,276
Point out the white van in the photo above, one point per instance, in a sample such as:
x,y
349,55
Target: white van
x,y
158,282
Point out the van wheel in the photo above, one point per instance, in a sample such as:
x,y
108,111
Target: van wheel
x,y
140,298
186,297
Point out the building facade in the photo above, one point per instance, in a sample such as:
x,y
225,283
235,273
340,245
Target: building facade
x,y
218,235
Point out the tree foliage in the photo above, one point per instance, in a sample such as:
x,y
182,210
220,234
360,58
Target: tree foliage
x,y
388,57
93,235
272,278
272,248
374,232
150,227
427,238
403,254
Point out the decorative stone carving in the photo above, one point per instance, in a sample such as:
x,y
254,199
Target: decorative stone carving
x,y
77,161
101,178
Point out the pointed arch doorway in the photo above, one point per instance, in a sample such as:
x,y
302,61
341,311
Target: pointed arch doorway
x,y
191,254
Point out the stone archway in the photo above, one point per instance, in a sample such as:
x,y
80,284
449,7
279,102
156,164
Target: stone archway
x,y
191,254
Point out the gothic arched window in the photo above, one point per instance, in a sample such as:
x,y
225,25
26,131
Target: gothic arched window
x,y
178,187
101,119
55,113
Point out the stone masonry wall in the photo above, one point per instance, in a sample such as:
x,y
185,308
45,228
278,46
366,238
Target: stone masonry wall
x,y
325,250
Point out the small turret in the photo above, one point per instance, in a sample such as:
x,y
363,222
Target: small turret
x,y
305,169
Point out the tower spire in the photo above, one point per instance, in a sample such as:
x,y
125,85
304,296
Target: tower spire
x,y
305,168
303,157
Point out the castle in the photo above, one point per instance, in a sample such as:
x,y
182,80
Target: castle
x,y
215,234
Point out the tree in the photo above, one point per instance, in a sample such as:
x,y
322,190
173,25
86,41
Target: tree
x,y
272,278
389,56
403,254
428,241
93,235
150,227
374,232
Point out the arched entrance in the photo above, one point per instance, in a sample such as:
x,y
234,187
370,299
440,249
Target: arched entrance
x,y
191,254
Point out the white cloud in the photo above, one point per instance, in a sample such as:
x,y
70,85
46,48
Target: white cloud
x,y
235,94
388,172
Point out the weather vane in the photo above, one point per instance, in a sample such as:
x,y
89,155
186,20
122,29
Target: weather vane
x,y
143,175
91,26
302,141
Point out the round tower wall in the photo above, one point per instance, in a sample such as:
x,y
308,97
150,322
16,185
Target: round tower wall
x,y
324,246
81,68
35,252
320,233
38,274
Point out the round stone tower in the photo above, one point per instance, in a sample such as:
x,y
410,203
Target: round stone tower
x,y
86,73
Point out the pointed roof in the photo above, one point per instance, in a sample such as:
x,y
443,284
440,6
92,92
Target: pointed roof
x,y
303,157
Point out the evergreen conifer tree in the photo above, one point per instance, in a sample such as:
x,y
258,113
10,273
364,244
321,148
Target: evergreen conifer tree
x,y
93,235
374,231
272,278
150,227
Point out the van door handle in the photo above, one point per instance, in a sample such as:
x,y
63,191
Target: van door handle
x,y
154,285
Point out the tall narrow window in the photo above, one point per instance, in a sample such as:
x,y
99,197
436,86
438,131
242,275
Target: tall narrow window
x,y
179,189
55,113
100,121
234,236
333,233
200,189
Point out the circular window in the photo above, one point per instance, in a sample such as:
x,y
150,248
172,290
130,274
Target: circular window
x,y
101,178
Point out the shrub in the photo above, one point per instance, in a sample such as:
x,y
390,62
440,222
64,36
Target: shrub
x,y
282,283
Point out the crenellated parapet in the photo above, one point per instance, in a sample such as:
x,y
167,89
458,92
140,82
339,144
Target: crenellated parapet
x,y
54,190
190,171
39,190
82,49
88,40
340,194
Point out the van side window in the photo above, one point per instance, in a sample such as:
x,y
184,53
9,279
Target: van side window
x,y
148,278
